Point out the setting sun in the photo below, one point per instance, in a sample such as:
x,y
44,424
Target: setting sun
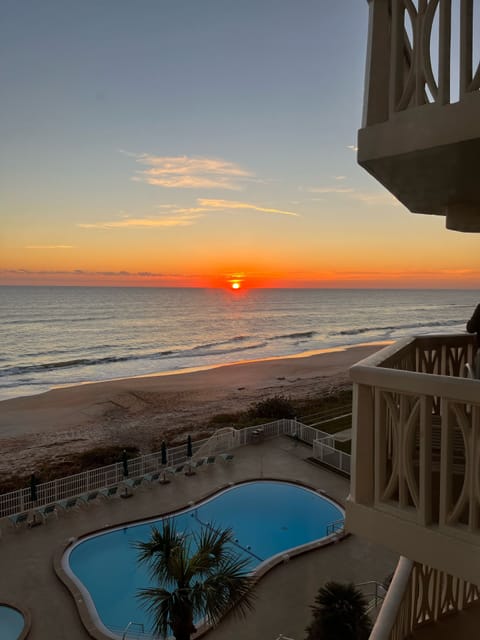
x,y
235,285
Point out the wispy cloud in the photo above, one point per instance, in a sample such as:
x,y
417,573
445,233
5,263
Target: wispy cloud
x,y
330,190
352,147
83,272
340,177
49,246
212,204
175,216
190,172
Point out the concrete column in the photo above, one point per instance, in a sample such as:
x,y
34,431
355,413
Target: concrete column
x,y
362,472
377,74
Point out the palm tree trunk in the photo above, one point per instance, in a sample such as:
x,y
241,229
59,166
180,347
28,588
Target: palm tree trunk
x,y
182,624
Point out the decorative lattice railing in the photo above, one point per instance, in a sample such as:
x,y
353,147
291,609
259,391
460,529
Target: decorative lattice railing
x,y
418,434
419,595
420,52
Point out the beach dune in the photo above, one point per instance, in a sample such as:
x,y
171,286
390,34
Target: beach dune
x,y
144,410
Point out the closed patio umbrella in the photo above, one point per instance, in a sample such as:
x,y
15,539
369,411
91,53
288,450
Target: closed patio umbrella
x,y
33,488
125,463
163,449
33,498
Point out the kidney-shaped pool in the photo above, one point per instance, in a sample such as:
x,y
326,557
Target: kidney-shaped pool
x,y
268,518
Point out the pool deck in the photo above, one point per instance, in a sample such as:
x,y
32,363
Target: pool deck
x,y
284,595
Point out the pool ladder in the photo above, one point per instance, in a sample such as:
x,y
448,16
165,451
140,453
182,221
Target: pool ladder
x,y
136,635
335,527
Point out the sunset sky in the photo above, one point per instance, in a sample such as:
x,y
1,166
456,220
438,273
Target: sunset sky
x,y
195,142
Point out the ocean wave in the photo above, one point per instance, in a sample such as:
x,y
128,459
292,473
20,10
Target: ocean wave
x,y
294,336
61,320
398,327
210,345
71,364
218,352
76,363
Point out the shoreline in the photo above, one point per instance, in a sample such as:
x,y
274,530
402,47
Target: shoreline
x,y
146,409
208,367
195,369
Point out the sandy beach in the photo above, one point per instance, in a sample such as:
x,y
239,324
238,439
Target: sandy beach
x,y
144,410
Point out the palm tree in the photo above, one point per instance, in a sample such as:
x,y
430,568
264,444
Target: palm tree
x,y
198,576
339,613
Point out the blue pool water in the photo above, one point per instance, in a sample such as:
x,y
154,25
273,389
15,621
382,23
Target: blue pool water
x,y
11,623
268,518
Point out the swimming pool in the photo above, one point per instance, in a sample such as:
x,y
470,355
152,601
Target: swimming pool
x,y
12,623
269,519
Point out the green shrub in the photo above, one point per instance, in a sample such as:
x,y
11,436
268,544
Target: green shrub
x,y
273,408
339,613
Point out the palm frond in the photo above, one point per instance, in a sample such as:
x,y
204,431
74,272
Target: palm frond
x,y
229,586
160,552
213,548
207,576
158,603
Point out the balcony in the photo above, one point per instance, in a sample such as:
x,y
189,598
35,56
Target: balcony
x,y
416,465
420,135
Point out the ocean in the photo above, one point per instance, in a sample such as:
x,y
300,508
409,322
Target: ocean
x,y
54,336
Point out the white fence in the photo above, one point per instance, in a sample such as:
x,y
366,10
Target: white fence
x,y
325,452
111,475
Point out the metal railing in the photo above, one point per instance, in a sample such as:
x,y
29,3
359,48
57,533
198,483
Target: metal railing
x,y
82,483
337,526
375,593
325,451
130,633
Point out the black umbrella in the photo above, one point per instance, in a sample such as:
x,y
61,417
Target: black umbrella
x,y
33,488
189,447
125,463
164,479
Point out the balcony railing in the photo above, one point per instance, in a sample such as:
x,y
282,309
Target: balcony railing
x,y
419,595
417,451
411,61
420,135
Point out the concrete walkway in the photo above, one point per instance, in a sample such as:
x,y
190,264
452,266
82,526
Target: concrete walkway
x,y
343,436
284,594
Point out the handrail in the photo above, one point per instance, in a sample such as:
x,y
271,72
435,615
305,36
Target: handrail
x,y
136,624
418,594
377,370
337,526
100,478
415,423
392,603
